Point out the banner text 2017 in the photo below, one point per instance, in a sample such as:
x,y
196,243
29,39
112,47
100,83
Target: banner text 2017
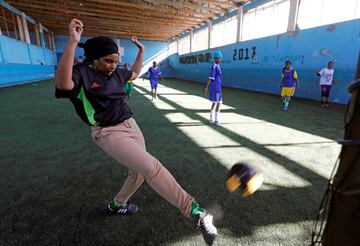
x,y
244,53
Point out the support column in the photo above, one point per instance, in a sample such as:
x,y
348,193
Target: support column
x,y
210,28
168,47
53,41
41,30
191,40
43,45
20,27
293,15
2,57
177,44
25,28
239,24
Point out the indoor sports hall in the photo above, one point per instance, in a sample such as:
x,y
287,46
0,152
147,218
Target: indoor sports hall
x,y
268,85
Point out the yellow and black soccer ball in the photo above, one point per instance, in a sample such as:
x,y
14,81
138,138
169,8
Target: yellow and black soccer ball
x,y
245,177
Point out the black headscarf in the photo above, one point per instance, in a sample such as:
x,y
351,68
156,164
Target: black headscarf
x,y
95,48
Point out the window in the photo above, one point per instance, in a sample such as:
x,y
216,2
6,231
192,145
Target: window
x,y
314,13
309,13
335,11
249,25
200,40
281,17
267,19
224,33
184,45
172,47
34,34
48,40
9,23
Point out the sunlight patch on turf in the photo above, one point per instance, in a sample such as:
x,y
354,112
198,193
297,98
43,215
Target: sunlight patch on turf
x,y
157,103
311,151
283,234
186,101
228,152
161,88
316,153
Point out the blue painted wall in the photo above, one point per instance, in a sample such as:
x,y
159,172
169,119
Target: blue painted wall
x,y
152,48
309,50
11,74
21,62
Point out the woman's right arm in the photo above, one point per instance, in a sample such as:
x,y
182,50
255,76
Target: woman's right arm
x,y
63,75
207,86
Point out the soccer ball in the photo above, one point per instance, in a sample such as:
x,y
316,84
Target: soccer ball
x,y
246,177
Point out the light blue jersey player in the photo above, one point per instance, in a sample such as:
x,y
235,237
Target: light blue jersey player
x,y
214,87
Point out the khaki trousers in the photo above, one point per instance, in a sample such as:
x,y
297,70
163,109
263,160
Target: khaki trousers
x,y
125,143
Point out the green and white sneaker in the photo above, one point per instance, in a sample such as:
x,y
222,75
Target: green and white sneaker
x,y
205,225
203,222
124,209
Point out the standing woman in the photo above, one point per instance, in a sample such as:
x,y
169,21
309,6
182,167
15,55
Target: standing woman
x,y
215,93
326,80
289,79
96,88
154,74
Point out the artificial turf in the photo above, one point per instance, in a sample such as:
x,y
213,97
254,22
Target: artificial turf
x,y
55,181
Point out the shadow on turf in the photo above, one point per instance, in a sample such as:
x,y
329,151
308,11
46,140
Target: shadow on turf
x,y
266,207
266,107
68,208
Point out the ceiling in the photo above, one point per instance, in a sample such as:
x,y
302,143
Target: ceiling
x,y
157,20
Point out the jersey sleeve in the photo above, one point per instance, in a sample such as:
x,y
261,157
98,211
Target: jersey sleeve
x,y
295,75
212,73
76,78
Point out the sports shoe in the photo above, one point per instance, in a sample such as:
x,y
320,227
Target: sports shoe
x,y
204,223
211,121
217,123
127,208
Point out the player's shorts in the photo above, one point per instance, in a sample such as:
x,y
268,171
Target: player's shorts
x,y
154,84
287,91
215,96
325,90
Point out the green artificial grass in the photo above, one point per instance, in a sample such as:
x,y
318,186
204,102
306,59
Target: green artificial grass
x,y
55,181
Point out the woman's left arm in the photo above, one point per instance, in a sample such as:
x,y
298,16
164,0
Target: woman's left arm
x,y
296,79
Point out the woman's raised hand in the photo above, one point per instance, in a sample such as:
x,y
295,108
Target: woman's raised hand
x,y
75,30
135,40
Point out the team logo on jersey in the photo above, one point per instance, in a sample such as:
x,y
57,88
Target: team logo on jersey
x,y
95,85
